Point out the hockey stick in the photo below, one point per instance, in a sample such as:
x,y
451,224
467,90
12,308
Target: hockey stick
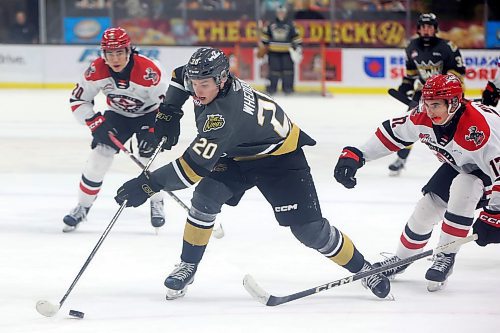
x,y
217,232
49,309
399,96
270,300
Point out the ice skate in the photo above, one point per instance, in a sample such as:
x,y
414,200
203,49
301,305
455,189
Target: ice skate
x,y
396,167
179,280
391,273
377,283
157,214
74,218
440,270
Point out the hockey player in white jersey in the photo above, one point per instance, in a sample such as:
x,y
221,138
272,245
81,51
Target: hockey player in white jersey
x,y
134,87
465,137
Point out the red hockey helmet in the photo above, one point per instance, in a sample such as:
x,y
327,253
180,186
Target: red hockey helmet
x,y
115,38
447,87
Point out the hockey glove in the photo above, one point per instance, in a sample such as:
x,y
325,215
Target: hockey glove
x,y
136,191
487,227
168,124
350,160
147,142
406,89
100,127
491,94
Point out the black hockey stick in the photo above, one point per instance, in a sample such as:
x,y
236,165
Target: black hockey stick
x,y
216,232
270,300
139,163
399,96
49,309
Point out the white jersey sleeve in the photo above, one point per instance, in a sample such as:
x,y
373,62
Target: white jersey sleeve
x,y
393,135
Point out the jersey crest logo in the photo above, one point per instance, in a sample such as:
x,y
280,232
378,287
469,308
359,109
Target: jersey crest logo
x,y
213,122
124,103
151,75
474,135
90,70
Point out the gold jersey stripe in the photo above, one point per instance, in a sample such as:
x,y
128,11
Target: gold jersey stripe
x,y
346,252
196,236
278,48
193,177
290,143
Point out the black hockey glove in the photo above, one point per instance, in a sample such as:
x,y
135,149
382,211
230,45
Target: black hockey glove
x,y
137,190
406,89
100,128
350,160
487,227
147,142
491,94
168,124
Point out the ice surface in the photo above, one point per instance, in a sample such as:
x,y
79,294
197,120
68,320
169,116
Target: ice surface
x,y
43,152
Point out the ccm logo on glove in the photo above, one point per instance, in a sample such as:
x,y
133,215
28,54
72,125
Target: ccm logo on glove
x,y
489,219
94,122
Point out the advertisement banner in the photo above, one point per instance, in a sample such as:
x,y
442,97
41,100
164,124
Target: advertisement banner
x,y
347,70
343,33
386,67
85,30
311,67
493,34
21,64
240,61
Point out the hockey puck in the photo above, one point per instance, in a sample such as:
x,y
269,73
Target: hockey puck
x,y
76,314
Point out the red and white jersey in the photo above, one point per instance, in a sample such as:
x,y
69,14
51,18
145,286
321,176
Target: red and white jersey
x,y
471,141
137,91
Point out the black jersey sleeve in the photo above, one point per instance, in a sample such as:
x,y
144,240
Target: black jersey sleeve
x,y
453,61
176,94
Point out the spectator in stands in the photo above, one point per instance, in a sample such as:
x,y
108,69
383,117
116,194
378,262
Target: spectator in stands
x,y
21,32
307,10
392,5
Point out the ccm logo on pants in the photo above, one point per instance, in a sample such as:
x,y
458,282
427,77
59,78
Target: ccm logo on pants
x,y
286,208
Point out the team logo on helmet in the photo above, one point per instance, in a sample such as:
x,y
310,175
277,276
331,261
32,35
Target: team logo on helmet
x,y
151,75
474,135
214,122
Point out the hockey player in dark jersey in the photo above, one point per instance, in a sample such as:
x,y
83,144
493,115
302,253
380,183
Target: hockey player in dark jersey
x,y
491,93
244,140
284,48
465,137
426,56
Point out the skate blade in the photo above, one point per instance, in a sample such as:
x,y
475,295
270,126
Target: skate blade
x,y
175,294
394,173
433,286
69,228
389,297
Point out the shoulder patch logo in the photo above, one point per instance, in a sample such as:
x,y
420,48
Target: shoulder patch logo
x,y
213,122
474,135
151,75
90,70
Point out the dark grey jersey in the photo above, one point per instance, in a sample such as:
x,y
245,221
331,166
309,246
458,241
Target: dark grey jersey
x,y
240,123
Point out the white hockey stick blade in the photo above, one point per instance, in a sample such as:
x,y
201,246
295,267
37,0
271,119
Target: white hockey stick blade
x,y
218,231
255,290
47,309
